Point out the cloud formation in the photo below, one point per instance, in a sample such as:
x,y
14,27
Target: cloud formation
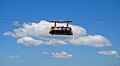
x,y
44,53
13,57
94,41
29,41
110,53
36,34
61,55
16,23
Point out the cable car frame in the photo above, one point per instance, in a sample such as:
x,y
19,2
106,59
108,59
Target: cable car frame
x,y
62,30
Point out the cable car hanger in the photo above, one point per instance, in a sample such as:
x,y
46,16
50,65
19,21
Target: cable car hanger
x,y
61,21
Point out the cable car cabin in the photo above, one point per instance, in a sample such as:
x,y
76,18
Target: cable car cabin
x,y
61,30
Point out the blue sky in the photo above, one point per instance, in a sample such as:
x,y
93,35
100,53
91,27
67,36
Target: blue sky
x,y
38,10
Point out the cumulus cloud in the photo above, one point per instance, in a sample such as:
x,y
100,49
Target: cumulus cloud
x,y
94,41
13,57
110,53
36,34
29,41
61,55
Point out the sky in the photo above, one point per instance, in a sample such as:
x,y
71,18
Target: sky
x,y
93,43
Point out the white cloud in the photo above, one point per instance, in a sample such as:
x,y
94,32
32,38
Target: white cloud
x,y
16,23
29,41
36,34
44,53
110,53
94,41
13,57
56,42
9,34
61,55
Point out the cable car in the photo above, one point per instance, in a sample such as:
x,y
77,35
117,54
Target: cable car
x,y
62,30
